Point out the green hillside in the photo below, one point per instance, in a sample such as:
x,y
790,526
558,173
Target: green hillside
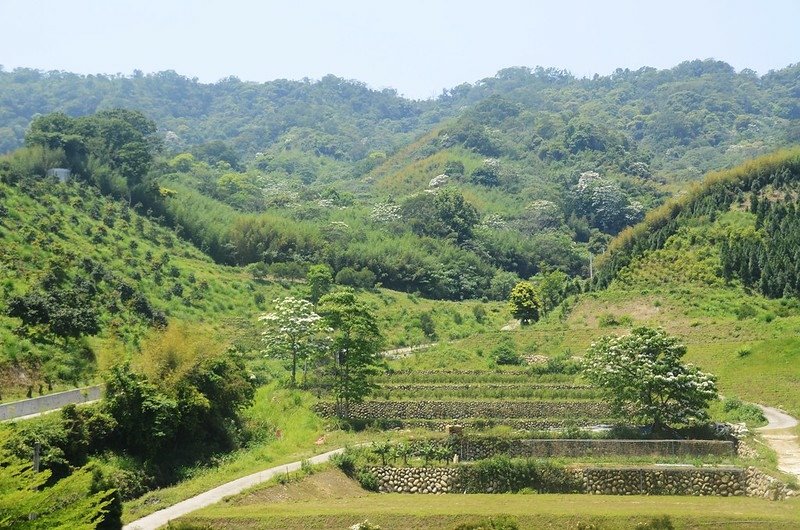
x,y
676,270
182,223
457,197
66,242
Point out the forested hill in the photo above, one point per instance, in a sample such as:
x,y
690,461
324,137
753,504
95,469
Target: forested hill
x,y
682,121
745,221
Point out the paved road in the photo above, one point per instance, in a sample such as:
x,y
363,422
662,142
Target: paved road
x,y
39,405
162,517
780,436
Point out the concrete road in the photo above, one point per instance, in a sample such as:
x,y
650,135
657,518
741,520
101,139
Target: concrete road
x,y
162,517
42,404
780,436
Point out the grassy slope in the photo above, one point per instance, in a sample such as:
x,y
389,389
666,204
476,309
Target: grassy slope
x,y
56,219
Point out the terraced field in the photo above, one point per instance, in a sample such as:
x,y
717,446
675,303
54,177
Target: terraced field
x,y
479,399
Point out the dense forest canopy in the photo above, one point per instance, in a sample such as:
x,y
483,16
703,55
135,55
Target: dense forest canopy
x,y
456,197
693,117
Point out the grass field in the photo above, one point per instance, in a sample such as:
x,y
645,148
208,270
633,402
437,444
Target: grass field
x,y
329,500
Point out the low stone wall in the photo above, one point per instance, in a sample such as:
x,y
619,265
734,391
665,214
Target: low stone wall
x,y
456,372
470,409
469,448
761,485
483,386
477,424
417,479
725,482
668,481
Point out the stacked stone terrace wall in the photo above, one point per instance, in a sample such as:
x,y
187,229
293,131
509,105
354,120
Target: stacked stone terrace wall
x,y
378,410
484,386
723,482
469,448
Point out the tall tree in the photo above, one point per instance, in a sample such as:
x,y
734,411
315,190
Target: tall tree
x,y
295,331
645,381
319,280
356,344
525,303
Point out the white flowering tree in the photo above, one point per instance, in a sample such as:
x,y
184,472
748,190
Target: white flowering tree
x,y
645,380
295,331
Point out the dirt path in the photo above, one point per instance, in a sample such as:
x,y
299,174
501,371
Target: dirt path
x,y
399,353
162,517
779,434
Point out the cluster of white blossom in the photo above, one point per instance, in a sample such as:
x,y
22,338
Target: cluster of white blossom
x,y
494,221
385,212
645,379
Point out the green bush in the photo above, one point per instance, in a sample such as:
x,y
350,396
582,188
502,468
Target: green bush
x,y
607,320
738,411
744,311
504,474
505,354
657,523
345,461
368,480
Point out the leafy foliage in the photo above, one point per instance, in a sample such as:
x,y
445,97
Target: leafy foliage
x,y
716,194
296,331
767,258
192,418
645,380
28,501
524,302
356,343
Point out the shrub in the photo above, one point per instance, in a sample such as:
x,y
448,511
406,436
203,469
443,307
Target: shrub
x,y
479,313
368,480
744,311
503,474
738,411
607,320
744,351
657,523
345,461
506,354
427,325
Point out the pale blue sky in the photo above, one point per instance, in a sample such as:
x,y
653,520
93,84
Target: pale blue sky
x,y
418,47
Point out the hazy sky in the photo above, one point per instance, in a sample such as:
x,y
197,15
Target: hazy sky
x,y
418,47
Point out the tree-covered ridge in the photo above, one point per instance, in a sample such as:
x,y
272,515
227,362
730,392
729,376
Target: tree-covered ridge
x,y
683,121
332,117
743,253
767,258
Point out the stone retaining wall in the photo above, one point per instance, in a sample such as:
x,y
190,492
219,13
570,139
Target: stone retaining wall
x,y
483,386
668,481
370,410
456,372
469,448
477,424
730,481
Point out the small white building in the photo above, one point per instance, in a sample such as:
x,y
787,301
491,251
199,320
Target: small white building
x,y
61,173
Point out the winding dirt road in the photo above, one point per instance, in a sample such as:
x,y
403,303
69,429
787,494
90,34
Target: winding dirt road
x,y
779,434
